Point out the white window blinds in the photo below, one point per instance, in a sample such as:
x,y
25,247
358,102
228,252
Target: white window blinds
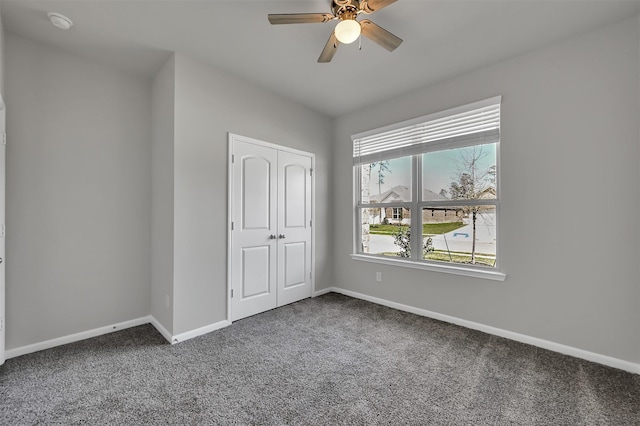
x,y
472,124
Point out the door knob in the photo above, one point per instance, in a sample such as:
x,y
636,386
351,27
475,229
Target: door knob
x,y
272,237
281,236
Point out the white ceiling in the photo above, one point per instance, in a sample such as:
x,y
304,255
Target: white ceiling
x,y
442,38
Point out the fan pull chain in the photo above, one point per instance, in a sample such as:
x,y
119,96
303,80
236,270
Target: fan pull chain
x,y
360,42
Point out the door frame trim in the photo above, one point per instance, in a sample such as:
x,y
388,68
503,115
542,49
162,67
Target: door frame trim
x,y
3,218
232,137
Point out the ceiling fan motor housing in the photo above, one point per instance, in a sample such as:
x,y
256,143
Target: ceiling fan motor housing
x,y
346,9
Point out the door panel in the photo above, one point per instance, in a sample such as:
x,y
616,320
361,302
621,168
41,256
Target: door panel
x,y
256,193
294,264
295,196
256,263
294,227
253,252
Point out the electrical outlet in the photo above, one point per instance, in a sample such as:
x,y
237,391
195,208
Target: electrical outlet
x,y
379,276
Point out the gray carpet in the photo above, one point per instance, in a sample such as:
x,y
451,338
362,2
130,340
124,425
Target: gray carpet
x,y
328,360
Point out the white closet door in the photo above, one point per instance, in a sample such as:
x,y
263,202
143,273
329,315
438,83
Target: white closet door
x,y
254,234
294,227
271,239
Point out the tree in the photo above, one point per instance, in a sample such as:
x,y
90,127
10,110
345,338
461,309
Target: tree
x,y
492,174
471,183
366,172
402,238
383,166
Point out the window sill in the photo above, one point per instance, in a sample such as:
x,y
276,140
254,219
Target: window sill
x,y
449,269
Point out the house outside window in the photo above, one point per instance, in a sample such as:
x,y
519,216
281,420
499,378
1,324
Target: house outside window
x,y
436,177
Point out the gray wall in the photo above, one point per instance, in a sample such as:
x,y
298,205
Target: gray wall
x,y
1,53
162,112
78,194
569,145
209,104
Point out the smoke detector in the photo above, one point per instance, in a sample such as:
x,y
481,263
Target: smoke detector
x,y
60,21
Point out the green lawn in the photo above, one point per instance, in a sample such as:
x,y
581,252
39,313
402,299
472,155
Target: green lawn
x,y
440,228
427,228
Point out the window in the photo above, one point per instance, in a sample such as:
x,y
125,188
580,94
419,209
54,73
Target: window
x,y
435,177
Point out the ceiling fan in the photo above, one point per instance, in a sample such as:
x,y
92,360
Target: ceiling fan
x,y
349,28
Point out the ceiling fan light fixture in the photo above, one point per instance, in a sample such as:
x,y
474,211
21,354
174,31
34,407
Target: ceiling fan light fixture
x,y
347,31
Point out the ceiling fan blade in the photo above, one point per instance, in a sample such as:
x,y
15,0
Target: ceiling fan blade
x,y
329,49
300,18
375,5
379,35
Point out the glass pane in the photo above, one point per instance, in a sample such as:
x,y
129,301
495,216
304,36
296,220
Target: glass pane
x,y
465,235
461,173
390,237
386,181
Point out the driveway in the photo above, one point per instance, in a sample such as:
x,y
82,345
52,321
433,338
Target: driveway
x,y
460,239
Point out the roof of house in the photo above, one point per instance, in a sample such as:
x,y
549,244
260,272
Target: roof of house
x,y
401,194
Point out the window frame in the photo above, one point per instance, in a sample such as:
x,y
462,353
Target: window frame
x,y
417,205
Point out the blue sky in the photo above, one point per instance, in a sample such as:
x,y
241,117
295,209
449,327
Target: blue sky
x,y
438,169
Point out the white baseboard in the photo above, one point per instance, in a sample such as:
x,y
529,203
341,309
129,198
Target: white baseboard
x,y
173,339
177,338
323,291
161,329
534,341
47,344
